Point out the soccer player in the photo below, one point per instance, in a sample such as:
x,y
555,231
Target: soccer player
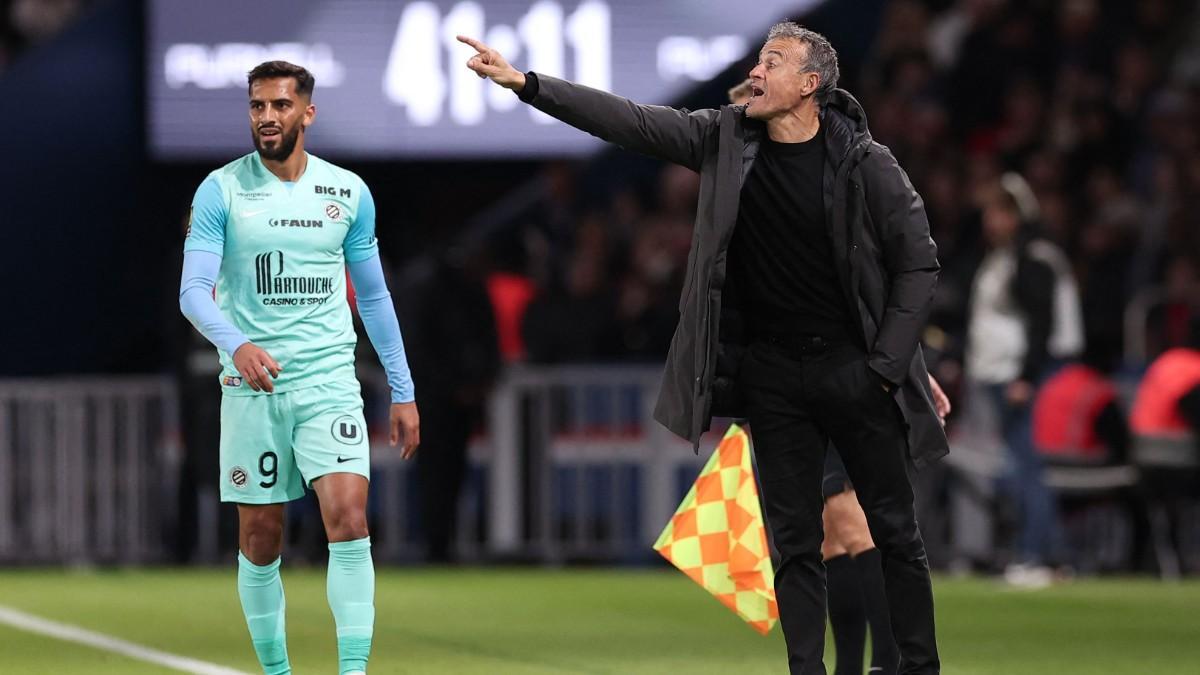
x,y
274,232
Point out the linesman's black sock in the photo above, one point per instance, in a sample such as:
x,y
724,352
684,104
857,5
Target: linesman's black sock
x,y
885,655
847,615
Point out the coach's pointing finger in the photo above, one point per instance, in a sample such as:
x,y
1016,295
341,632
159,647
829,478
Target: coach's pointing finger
x,y
491,64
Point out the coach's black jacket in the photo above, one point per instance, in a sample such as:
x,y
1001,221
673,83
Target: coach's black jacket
x,y
886,260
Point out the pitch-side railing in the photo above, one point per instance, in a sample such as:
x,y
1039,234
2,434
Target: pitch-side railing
x,y
88,469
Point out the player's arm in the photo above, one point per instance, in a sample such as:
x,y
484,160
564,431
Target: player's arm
x,y
674,135
379,318
203,249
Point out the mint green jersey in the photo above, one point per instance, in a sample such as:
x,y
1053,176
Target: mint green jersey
x,y
284,249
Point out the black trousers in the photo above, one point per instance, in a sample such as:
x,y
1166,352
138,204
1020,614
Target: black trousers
x,y
799,396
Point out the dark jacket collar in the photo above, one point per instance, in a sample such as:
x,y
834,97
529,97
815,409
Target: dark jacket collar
x,y
845,126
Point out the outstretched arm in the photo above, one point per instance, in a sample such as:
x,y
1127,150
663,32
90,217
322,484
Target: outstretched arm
x,y
673,135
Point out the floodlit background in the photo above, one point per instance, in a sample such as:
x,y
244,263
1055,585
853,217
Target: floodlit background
x,y
536,275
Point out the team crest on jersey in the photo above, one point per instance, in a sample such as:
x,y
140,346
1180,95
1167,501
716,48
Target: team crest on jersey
x,y
333,211
238,476
232,381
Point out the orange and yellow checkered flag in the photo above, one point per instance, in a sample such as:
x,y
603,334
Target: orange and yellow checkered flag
x,y
717,537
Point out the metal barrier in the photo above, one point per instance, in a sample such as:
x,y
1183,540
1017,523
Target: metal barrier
x,y
579,467
572,466
88,469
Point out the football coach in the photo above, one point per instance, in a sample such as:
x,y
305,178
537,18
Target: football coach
x,y
811,234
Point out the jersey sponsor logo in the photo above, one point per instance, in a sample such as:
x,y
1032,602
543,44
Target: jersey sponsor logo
x,y
238,476
345,430
253,196
251,214
281,290
333,211
329,190
231,381
293,222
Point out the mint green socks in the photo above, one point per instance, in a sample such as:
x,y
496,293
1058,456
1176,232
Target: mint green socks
x,y
351,591
261,591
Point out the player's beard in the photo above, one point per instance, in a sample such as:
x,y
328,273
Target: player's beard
x,y
283,149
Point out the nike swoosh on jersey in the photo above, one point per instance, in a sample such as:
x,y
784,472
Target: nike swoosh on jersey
x,y
251,214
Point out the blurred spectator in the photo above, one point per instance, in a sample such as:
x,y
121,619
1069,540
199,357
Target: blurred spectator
x,y
1165,422
1169,322
1077,417
450,336
1166,411
38,20
26,23
1106,246
510,290
571,317
1016,325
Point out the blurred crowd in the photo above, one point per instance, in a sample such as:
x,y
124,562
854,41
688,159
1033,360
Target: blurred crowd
x,y
27,23
1088,106
1055,145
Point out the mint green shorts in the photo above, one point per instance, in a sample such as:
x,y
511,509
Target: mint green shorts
x,y
275,445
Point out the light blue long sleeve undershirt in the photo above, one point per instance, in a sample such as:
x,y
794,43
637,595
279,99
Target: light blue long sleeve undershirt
x,y
379,318
200,270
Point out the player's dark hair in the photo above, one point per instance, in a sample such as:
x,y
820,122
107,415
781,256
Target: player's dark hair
x,y
272,69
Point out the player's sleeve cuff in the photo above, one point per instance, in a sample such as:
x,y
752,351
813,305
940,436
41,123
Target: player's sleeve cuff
x,y
361,256
193,244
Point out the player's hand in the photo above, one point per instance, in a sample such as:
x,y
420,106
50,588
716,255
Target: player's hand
x,y
941,402
406,427
254,364
489,63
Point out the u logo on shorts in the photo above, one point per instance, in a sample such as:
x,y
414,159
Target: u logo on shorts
x,y
345,430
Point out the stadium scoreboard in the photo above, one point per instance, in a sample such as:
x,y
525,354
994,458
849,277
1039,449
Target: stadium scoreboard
x,y
391,79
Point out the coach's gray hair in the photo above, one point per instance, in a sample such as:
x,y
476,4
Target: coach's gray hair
x,y
822,57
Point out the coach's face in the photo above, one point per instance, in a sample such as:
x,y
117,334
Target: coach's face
x,y
780,82
278,115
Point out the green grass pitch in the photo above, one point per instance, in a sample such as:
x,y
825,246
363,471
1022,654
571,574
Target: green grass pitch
x,y
581,621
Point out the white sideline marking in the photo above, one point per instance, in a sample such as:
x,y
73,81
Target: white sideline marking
x,y
33,624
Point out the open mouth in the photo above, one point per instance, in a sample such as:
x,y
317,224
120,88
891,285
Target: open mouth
x,y
756,91
268,133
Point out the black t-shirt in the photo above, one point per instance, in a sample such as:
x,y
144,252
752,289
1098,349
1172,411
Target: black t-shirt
x,y
781,257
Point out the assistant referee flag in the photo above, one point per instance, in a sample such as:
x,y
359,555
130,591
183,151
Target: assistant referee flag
x,y
717,536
